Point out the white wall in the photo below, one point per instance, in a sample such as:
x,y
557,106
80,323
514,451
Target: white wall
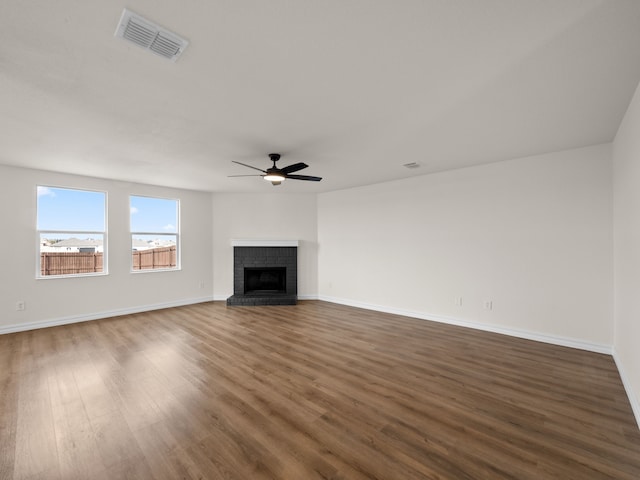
x,y
265,217
532,235
626,168
60,300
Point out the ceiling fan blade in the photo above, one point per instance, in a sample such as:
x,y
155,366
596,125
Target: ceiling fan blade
x,y
244,164
294,168
304,177
229,176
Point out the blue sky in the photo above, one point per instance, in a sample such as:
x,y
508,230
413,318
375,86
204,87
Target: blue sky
x,y
62,209
156,215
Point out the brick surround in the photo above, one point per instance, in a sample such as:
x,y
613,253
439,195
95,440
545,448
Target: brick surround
x,y
266,257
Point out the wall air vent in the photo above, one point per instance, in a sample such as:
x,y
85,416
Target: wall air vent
x,y
148,35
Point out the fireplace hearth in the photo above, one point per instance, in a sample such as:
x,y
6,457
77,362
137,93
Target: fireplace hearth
x,y
264,273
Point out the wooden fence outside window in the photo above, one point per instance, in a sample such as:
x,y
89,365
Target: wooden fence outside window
x,y
153,258
72,263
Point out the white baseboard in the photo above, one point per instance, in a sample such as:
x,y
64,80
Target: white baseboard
x,y
513,332
21,327
567,342
633,400
308,297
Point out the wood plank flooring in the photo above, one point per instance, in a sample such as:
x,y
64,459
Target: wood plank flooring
x,y
315,391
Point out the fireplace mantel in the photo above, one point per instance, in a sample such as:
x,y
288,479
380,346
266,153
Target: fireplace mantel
x,y
264,243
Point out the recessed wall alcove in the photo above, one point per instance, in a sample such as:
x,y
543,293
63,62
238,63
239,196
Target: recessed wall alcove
x,y
265,272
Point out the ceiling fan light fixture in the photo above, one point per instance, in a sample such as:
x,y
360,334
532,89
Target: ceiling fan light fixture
x,y
274,177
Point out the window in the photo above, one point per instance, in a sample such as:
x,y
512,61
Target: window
x,y
71,228
155,234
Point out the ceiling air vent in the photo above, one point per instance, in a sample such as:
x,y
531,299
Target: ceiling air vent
x,y
148,35
411,165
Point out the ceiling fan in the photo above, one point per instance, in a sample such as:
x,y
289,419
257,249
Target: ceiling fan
x,y
277,175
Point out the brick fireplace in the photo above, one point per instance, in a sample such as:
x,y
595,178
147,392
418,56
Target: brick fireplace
x,y
265,272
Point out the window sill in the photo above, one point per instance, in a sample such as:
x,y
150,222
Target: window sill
x,y
73,275
155,270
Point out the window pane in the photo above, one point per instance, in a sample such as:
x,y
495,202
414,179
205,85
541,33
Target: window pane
x,y
154,215
64,254
151,252
62,209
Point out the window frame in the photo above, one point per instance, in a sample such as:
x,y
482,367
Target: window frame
x,y
177,235
40,233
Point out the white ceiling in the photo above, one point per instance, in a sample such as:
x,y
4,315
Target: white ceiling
x,y
354,88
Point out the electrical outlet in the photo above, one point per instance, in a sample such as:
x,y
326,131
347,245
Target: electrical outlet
x,y
488,305
201,284
20,305
459,301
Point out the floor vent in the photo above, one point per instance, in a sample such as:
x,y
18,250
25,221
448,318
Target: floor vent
x,y
146,34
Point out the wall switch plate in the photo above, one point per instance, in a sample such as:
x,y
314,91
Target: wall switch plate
x,y
21,305
488,305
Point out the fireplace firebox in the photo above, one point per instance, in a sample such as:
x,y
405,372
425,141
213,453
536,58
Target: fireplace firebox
x,y
259,280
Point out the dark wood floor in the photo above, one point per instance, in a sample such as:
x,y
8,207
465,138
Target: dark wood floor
x,y
313,391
